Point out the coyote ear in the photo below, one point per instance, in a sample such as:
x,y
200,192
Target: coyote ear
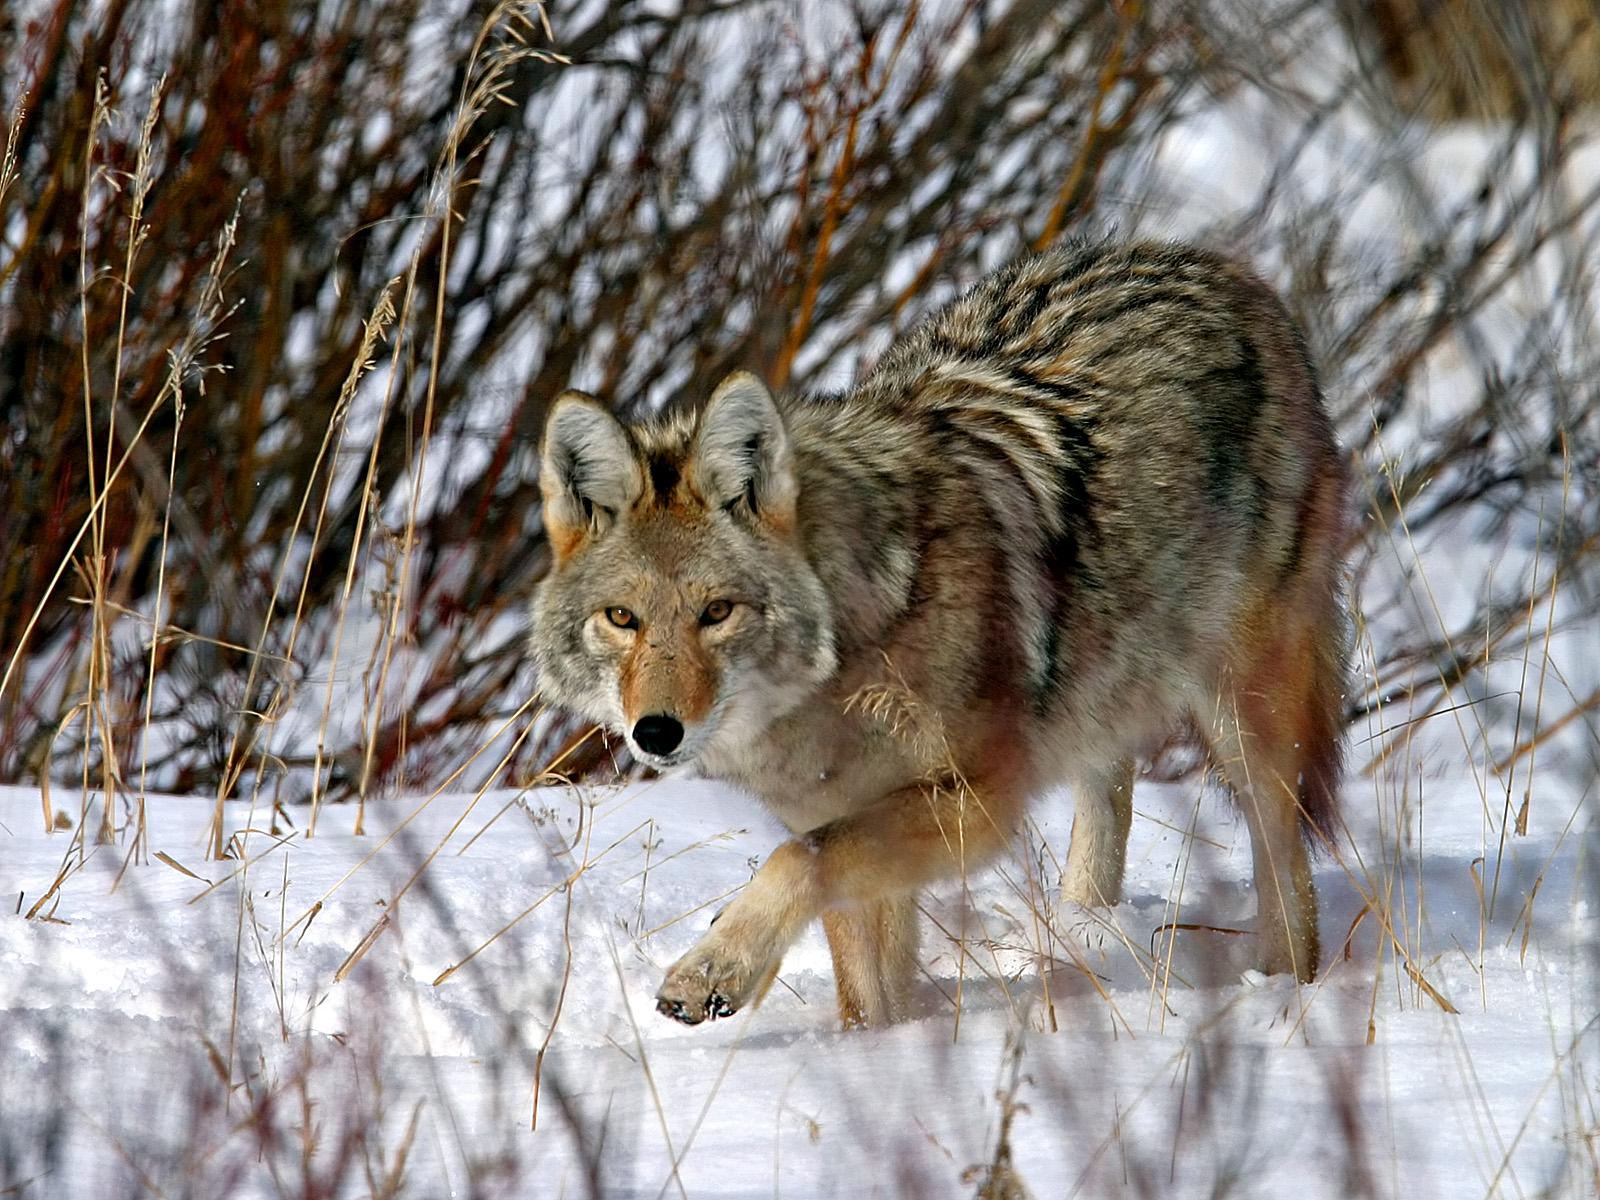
x,y
742,455
589,473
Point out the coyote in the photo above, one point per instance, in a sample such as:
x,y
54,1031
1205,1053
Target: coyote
x,y
1094,499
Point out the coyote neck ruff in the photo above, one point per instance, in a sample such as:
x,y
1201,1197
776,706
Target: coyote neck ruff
x,y
1094,498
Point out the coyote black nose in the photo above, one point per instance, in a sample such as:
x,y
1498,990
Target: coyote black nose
x,y
658,733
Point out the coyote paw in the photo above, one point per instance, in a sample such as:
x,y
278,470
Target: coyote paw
x,y
710,981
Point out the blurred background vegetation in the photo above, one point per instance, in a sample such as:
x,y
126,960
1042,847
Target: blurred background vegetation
x,y
269,513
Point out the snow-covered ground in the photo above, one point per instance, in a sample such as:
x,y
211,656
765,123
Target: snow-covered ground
x,y
278,1023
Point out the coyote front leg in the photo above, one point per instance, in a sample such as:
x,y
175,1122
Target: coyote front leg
x,y
910,838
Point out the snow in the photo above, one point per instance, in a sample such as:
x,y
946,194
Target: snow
x,y
168,1032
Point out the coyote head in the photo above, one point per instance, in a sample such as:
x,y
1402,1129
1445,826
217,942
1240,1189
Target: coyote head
x,y
680,609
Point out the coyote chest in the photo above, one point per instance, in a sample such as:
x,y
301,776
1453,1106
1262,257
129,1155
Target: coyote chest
x,y
1095,497
810,769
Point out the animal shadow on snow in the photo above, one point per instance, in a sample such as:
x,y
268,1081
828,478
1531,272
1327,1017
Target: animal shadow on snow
x,y
1206,942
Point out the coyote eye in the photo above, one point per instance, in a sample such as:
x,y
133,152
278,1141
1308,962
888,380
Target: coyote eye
x,y
622,618
717,612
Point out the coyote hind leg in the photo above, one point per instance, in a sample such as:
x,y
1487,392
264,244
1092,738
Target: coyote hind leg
x,y
1101,818
1276,739
1261,774
874,948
